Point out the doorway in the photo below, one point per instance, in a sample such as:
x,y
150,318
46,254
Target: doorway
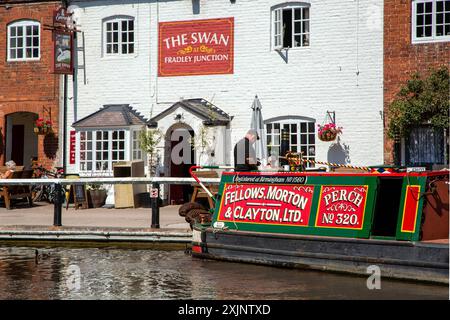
x,y
21,141
179,157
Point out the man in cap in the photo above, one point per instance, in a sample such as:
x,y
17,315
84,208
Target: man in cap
x,y
245,154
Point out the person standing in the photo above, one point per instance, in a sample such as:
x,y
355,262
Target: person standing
x,y
245,154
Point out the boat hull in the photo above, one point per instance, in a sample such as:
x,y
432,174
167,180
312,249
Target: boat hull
x,y
417,261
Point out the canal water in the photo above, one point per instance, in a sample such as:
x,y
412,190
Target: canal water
x,y
115,273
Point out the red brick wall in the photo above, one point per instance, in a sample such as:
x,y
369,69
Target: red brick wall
x,y
402,58
29,86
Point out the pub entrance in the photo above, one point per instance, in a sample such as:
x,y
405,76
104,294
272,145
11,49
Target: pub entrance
x,y
179,157
21,141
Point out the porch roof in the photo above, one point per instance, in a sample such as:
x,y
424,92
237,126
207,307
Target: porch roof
x,y
112,115
206,111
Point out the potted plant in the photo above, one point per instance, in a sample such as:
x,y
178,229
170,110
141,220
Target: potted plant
x,y
96,195
42,126
328,132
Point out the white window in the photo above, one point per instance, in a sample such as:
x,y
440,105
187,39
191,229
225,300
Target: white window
x,y
301,137
24,40
99,149
291,25
119,36
136,146
430,20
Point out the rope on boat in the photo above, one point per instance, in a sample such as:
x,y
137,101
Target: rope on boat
x,y
336,164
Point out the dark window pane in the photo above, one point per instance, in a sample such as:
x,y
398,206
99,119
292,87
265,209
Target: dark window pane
x,y
121,155
20,31
12,54
28,31
294,128
12,43
130,25
311,127
269,128
115,48
105,145
269,139
305,13
306,39
440,30
28,42
420,8
121,145
19,53
447,18
297,41
311,139
99,145
303,139
114,155
108,27
28,53
286,127
124,48
297,13
108,37
115,37
447,30
99,155
297,27
304,150
89,135
89,145
428,31
105,155
124,36
428,6
440,6
305,26
293,148
131,37
35,41
19,42
114,135
419,32
428,19
83,135
115,26
130,48
419,20
124,25
114,145
99,135
447,5
277,127
89,155
303,127
293,139
13,31
109,48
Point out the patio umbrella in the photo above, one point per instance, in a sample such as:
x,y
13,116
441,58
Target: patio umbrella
x,y
258,125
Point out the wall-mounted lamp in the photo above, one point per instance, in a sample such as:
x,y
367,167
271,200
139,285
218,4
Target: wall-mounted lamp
x,y
179,117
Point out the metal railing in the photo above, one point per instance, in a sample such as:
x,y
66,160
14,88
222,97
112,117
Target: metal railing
x,y
155,183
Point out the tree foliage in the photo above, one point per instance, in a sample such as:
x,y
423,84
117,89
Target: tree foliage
x,y
421,101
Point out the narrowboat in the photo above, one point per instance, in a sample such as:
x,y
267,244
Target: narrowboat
x,y
330,221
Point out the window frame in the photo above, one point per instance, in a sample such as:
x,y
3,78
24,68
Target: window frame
x,y
93,150
23,24
433,37
119,20
294,120
289,6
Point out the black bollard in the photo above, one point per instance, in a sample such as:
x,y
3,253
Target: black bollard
x,y
57,206
155,206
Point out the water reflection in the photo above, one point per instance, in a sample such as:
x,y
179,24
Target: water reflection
x,y
112,273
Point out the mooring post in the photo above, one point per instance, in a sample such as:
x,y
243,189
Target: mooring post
x,y
57,206
154,194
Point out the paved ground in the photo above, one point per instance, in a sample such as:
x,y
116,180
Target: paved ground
x,y
41,215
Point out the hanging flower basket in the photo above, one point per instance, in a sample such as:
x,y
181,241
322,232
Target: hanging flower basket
x,y
43,127
328,132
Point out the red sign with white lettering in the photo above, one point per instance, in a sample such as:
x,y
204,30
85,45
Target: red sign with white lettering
x,y
196,47
72,146
266,204
342,207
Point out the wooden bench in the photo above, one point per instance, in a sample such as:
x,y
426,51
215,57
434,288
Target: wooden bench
x,y
17,192
198,190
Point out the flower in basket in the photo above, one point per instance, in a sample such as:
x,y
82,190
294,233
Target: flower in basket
x,y
42,126
328,132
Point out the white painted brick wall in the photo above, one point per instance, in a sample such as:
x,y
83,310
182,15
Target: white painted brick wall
x,y
346,37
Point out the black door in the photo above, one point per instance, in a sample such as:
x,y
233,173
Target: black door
x,y
17,143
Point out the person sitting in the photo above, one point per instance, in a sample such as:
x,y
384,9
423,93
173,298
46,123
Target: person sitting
x,y
11,167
